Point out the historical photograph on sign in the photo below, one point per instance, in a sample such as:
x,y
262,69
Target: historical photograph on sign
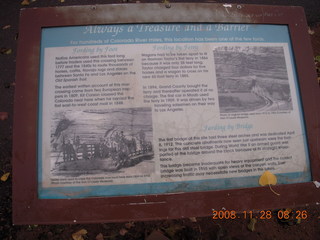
x,y
252,78
101,141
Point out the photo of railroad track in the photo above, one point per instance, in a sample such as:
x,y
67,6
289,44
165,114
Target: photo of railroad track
x,y
252,78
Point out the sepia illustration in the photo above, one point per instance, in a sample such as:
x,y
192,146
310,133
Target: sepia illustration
x,y
252,78
97,141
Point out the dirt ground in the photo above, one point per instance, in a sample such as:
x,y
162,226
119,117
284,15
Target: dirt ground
x,y
189,228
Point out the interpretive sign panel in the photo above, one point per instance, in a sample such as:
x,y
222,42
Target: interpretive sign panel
x,y
152,111
167,107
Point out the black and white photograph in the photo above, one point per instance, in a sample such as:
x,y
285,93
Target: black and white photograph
x,y
102,141
252,79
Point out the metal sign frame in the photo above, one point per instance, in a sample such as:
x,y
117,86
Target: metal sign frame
x,y
29,209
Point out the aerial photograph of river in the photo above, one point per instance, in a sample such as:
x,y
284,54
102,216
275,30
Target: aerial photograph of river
x,y
252,78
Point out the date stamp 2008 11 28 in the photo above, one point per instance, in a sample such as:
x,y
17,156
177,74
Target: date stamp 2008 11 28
x,y
284,214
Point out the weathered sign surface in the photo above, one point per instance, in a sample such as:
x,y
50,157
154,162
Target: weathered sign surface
x,y
167,107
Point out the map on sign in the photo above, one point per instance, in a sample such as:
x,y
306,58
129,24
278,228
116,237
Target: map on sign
x,y
167,108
